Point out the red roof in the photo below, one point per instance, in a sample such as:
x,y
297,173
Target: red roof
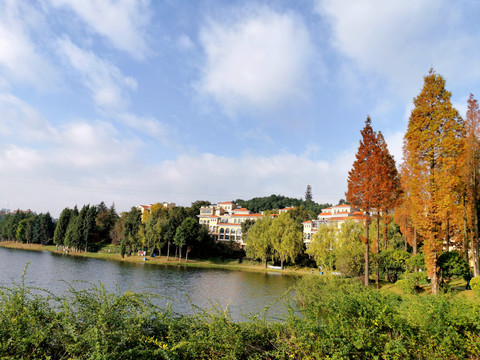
x,y
325,214
343,205
244,215
225,202
307,222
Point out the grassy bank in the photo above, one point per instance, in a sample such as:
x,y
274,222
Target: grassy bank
x,y
245,265
340,319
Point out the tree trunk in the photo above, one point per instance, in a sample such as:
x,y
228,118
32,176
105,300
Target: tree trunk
x,y
281,262
435,279
265,263
465,231
168,251
414,241
186,256
447,235
386,220
475,249
406,235
180,254
176,252
367,250
377,251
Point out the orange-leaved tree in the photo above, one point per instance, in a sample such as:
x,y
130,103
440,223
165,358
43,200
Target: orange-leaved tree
x,y
372,182
471,178
432,148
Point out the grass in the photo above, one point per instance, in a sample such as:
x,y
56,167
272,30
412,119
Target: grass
x,y
245,265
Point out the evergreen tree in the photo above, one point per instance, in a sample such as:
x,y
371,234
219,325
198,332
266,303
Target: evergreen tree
x,y
432,146
308,193
62,225
89,225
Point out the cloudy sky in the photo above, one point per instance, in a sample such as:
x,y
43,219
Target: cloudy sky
x,y
143,101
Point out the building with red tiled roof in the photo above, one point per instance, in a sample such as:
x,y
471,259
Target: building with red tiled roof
x,y
224,221
335,215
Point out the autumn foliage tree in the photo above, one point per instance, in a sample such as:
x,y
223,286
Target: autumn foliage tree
x,y
373,182
432,146
471,178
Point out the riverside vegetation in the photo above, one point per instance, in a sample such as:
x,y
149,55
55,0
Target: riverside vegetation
x,y
338,319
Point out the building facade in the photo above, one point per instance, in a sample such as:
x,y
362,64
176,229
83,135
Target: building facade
x,y
335,215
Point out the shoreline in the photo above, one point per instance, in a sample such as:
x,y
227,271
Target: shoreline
x,y
232,265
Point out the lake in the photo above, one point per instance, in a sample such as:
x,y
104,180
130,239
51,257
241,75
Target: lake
x,y
242,292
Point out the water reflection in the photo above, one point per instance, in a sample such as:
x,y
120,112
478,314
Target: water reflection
x,y
242,292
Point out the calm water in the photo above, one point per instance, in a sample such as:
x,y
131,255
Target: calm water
x,y
244,293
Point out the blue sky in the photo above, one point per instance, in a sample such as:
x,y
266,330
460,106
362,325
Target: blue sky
x,y
143,101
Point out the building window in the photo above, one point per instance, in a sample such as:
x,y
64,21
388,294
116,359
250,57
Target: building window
x,y
221,234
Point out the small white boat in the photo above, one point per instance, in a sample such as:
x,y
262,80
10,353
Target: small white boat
x,y
274,267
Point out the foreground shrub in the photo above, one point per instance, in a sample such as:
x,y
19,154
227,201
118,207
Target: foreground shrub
x,y
339,318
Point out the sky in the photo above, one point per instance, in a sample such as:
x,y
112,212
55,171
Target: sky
x,y
136,102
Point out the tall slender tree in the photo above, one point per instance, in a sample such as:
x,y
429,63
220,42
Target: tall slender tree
x,y
361,182
432,146
471,179
308,193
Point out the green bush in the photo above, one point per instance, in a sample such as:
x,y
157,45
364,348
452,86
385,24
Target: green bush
x,y
452,264
339,319
411,282
475,284
392,263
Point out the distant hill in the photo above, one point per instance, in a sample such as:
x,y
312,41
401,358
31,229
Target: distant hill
x,y
279,202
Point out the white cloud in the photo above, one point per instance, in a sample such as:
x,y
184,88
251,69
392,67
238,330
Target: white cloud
x,y
90,166
123,22
105,81
21,122
400,40
22,159
19,55
258,61
147,125
84,146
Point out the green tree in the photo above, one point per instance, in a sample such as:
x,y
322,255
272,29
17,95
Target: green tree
x,y
62,226
349,250
105,221
131,226
322,246
89,225
452,264
186,234
287,238
25,230
258,241
308,193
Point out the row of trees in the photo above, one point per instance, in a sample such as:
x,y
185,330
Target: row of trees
x,y
278,238
435,196
259,204
163,227
27,227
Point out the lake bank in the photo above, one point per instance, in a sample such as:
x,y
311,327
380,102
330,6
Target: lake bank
x,y
246,265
